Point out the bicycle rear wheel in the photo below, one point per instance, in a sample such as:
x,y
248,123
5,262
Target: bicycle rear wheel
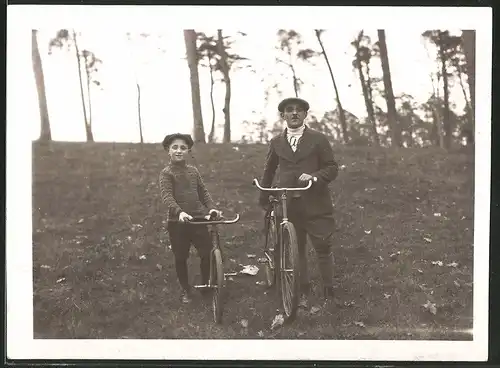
x,y
217,282
289,280
270,248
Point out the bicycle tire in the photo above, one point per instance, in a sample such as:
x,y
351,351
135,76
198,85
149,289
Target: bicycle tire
x,y
271,243
217,281
289,247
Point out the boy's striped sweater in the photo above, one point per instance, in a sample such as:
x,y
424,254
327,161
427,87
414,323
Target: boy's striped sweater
x,y
182,189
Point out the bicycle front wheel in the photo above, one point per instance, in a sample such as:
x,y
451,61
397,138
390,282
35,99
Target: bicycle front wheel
x,y
270,248
217,282
290,282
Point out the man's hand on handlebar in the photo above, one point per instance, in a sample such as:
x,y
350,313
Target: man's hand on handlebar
x,y
214,214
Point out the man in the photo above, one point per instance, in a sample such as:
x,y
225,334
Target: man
x,y
303,154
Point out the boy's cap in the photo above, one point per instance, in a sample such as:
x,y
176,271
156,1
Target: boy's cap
x,y
292,100
171,137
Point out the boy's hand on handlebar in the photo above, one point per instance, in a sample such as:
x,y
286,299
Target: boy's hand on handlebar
x,y
183,217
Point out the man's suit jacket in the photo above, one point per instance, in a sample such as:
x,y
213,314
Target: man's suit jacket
x,y
314,156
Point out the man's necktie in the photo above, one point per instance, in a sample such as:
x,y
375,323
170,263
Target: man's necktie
x,y
293,142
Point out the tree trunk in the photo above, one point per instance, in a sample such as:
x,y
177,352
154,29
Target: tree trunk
x,y
227,81
341,112
446,112
469,45
212,129
45,132
192,59
88,130
435,112
389,93
368,104
139,111
89,99
295,81
468,106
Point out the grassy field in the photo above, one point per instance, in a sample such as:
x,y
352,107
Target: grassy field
x,y
103,269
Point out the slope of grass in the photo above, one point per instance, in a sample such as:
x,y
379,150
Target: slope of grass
x,y
404,239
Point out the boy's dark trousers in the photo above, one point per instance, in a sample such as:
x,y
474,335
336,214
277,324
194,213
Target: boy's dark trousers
x,y
182,236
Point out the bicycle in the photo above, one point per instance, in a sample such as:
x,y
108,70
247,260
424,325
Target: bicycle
x,y
217,277
281,251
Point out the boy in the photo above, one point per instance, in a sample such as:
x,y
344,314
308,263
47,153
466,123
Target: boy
x,y
183,191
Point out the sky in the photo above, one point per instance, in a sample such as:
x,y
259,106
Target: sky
x,y
158,64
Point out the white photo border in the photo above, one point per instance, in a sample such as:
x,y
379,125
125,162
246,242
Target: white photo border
x,y
22,18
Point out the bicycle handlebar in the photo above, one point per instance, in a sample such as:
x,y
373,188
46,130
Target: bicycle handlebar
x,y
202,221
256,183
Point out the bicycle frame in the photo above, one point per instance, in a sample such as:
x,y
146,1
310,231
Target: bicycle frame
x,y
212,223
274,205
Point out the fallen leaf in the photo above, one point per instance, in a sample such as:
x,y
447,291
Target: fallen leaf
x,y
244,323
420,271
387,296
368,232
260,283
142,257
45,266
251,270
457,284
394,255
81,221
136,227
60,280
439,263
349,304
428,240
431,307
380,258
437,214
260,334
314,310
159,267
251,256
452,264
277,321
359,324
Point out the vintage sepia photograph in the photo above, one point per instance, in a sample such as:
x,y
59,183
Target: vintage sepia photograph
x,y
179,176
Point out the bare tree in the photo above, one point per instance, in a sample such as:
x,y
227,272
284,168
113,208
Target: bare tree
x,y
68,39
362,59
91,63
217,52
288,42
208,50
341,112
392,114
192,59
469,48
446,45
227,80
45,132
